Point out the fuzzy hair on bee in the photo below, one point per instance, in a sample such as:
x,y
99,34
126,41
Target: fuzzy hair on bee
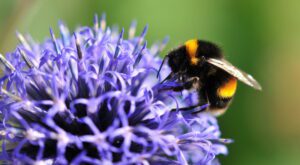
x,y
201,64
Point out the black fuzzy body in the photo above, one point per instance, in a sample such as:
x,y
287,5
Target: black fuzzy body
x,y
211,78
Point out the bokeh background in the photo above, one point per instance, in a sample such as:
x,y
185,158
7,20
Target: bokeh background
x,y
260,36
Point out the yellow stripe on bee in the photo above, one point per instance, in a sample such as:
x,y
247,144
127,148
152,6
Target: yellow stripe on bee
x,y
191,48
228,89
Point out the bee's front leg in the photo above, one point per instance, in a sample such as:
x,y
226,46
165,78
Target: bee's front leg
x,y
193,82
192,109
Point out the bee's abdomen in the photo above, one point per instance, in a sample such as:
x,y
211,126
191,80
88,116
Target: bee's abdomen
x,y
221,88
228,88
220,103
218,106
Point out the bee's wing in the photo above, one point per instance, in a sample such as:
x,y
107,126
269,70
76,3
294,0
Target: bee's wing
x,y
234,71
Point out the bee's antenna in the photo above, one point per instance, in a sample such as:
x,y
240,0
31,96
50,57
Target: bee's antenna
x,y
161,65
168,77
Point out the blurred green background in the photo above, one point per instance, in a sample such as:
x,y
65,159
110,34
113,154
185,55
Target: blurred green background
x,y
260,36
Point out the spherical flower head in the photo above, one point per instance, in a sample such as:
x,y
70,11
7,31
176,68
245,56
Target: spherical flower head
x,y
93,97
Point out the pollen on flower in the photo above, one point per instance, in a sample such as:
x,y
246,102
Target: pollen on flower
x,y
60,105
2,132
92,97
43,162
27,104
99,139
62,138
33,135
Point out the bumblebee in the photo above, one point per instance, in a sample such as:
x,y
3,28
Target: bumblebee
x,y
201,65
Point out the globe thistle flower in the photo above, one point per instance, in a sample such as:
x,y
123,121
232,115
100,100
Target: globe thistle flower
x,y
92,97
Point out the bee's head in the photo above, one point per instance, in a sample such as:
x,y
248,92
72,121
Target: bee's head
x,y
177,60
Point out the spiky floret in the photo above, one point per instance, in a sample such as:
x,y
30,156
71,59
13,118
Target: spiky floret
x,y
92,97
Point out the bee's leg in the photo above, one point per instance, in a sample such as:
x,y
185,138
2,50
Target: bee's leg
x,y
190,83
168,77
195,108
200,107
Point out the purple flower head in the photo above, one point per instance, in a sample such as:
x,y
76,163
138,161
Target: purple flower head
x,y
92,97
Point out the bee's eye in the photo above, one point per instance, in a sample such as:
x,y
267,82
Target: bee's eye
x,y
175,62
